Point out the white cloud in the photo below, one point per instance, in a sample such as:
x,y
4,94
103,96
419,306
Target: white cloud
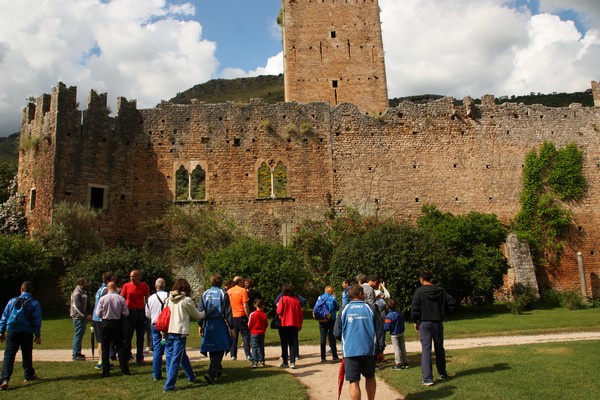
x,y
274,67
472,48
141,49
587,10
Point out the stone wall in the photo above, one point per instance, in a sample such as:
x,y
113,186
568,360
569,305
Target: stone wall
x,y
333,52
458,158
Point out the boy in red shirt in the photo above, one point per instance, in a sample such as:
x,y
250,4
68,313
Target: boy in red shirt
x,y
257,324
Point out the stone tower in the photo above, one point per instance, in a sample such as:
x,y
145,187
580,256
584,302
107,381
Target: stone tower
x,y
596,93
333,52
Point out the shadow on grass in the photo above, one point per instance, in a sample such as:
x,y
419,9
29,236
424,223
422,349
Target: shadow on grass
x,y
445,389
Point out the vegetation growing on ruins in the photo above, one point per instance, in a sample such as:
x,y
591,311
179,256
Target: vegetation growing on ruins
x,y
552,179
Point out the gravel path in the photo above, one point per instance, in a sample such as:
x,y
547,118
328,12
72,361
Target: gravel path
x,y
321,379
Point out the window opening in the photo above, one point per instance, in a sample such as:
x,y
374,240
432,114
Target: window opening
x,y
198,184
272,180
97,197
32,199
182,184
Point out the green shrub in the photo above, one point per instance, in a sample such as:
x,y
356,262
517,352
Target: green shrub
x,y
523,298
119,261
475,265
393,250
73,234
21,259
270,265
573,300
551,298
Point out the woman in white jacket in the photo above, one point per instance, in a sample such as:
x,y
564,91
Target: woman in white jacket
x,y
182,308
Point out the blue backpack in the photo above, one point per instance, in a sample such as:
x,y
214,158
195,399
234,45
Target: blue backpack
x,y
321,311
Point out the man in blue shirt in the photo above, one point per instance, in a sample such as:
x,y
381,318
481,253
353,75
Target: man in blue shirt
x,y
18,330
363,341
326,326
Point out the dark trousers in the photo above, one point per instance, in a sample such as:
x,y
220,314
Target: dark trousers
x,y
136,323
289,339
14,340
240,325
112,331
326,331
216,359
432,331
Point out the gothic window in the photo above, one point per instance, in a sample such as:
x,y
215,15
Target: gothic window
x,y
182,185
264,181
280,180
198,184
272,181
188,186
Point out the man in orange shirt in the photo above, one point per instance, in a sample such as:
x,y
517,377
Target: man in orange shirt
x,y
238,298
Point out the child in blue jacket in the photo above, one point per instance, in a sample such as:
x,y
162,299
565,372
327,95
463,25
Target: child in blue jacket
x,y
394,324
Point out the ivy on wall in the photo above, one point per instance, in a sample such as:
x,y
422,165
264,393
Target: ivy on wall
x,y
552,178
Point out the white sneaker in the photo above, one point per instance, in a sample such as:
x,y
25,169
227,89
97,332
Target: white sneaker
x,y
292,366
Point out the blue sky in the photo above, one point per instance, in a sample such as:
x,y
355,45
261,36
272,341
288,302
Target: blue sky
x,y
245,30
150,50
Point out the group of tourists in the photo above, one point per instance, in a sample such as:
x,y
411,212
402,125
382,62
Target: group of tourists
x,y
224,314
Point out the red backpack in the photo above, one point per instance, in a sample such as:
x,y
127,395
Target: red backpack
x,y
162,322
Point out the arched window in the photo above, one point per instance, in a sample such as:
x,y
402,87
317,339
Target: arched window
x,y
198,184
272,181
264,181
182,184
280,180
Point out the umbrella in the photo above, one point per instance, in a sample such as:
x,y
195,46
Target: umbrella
x,y
92,339
341,378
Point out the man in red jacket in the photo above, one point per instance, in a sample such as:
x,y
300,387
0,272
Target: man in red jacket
x,y
136,294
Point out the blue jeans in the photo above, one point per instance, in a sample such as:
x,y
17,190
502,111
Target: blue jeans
x,y
432,331
176,357
79,325
14,340
258,348
157,355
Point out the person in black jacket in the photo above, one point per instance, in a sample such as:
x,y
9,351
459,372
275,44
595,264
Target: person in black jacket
x,y
427,311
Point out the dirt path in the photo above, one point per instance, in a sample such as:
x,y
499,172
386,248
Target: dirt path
x,y
321,379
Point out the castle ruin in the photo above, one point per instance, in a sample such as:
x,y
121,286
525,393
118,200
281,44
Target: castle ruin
x,y
318,152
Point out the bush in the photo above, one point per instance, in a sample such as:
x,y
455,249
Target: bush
x,y
21,259
476,265
551,298
395,251
73,234
120,262
523,298
270,265
573,300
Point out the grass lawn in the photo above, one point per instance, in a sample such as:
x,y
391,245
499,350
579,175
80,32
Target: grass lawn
x,y
541,371
68,380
